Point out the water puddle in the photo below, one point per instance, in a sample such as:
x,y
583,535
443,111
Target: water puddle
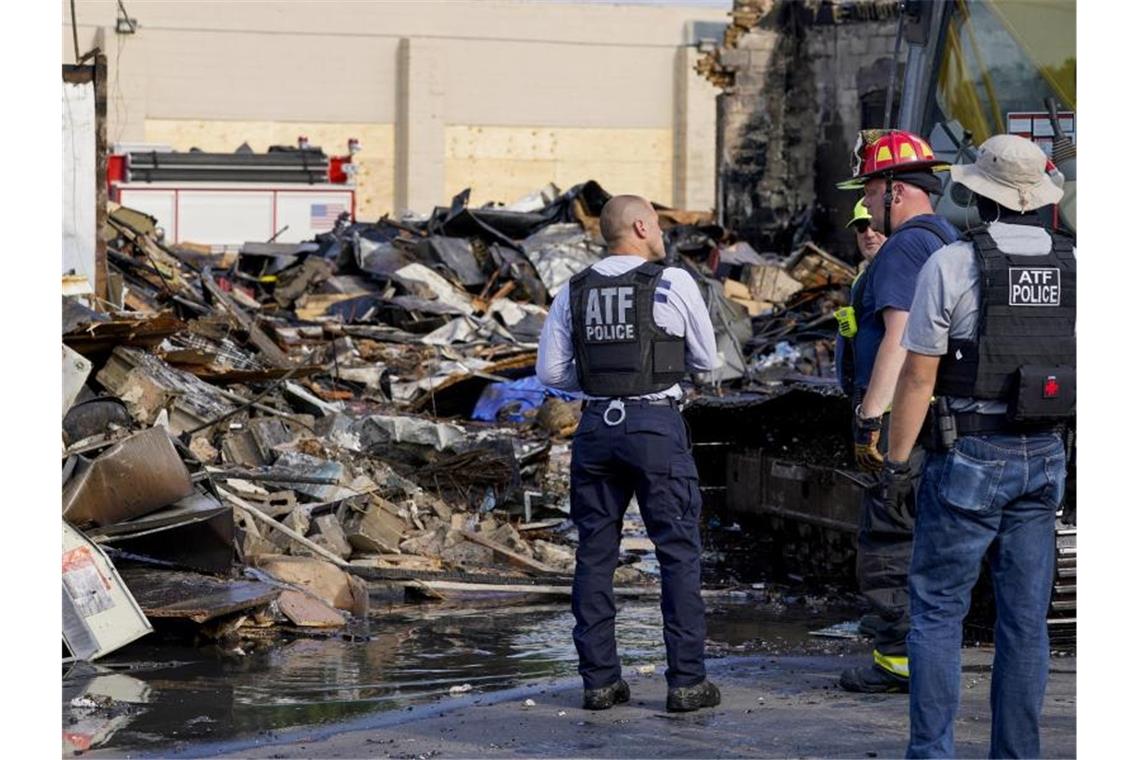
x,y
153,695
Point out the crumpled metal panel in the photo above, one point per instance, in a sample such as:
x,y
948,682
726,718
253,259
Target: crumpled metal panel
x,y
132,478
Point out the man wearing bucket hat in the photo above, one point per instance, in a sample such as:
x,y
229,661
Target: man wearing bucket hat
x,y
992,336
895,171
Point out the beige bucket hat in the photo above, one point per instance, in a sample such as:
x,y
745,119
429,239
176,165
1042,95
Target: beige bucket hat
x,y
1010,170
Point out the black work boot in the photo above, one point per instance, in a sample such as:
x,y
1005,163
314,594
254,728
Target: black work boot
x,y
872,679
606,697
689,698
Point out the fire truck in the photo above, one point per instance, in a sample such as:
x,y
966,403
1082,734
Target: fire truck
x,y
287,194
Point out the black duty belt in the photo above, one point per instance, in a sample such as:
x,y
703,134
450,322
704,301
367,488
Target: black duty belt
x,y
614,413
633,402
972,423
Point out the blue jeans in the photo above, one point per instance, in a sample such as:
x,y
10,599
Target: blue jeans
x,y
991,496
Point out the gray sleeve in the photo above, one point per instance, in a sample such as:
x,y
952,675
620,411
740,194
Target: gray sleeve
x,y
941,283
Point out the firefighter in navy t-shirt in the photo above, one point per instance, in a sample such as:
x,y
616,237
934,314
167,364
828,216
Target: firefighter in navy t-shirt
x,y
895,170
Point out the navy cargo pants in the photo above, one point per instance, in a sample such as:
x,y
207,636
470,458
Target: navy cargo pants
x,y
647,454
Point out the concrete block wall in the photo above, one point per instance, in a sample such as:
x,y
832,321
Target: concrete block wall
x,y
787,123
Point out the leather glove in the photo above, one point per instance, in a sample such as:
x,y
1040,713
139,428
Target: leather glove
x,y
895,485
867,430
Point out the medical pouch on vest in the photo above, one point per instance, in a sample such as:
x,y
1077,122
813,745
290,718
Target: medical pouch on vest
x,y
1025,351
618,349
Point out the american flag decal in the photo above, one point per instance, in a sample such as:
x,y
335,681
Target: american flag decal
x,y
323,215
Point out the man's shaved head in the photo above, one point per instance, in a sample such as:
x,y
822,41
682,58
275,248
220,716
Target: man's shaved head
x,y
629,225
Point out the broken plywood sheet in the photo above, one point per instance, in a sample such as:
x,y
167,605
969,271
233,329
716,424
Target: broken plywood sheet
x,y
398,561
135,476
122,329
323,579
190,596
146,384
770,283
308,611
99,613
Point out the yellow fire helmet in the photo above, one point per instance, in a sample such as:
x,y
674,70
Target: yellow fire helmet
x,y
859,213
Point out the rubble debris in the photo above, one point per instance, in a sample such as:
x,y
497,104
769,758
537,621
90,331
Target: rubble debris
x,y
525,563
133,477
375,528
362,408
94,418
148,385
294,534
91,338
196,533
330,535
163,593
556,557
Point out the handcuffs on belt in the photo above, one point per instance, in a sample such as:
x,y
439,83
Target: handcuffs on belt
x,y
615,405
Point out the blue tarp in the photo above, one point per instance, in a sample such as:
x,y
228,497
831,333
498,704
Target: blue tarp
x,y
523,395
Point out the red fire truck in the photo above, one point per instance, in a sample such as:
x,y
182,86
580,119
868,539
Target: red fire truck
x,y
287,194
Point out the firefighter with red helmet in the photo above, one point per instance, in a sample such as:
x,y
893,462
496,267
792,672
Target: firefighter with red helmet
x,y
896,172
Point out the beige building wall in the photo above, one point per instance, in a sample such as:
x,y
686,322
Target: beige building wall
x,y
505,163
501,96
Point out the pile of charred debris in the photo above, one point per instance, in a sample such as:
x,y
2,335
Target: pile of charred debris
x,y
261,440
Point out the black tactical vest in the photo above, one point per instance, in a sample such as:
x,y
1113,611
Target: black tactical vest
x,y
618,349
1025,352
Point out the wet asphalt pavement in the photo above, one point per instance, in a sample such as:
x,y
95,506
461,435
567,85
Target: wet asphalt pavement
x,y
772,707
453,682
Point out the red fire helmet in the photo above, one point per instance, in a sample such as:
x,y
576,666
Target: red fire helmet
x,y
878,152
